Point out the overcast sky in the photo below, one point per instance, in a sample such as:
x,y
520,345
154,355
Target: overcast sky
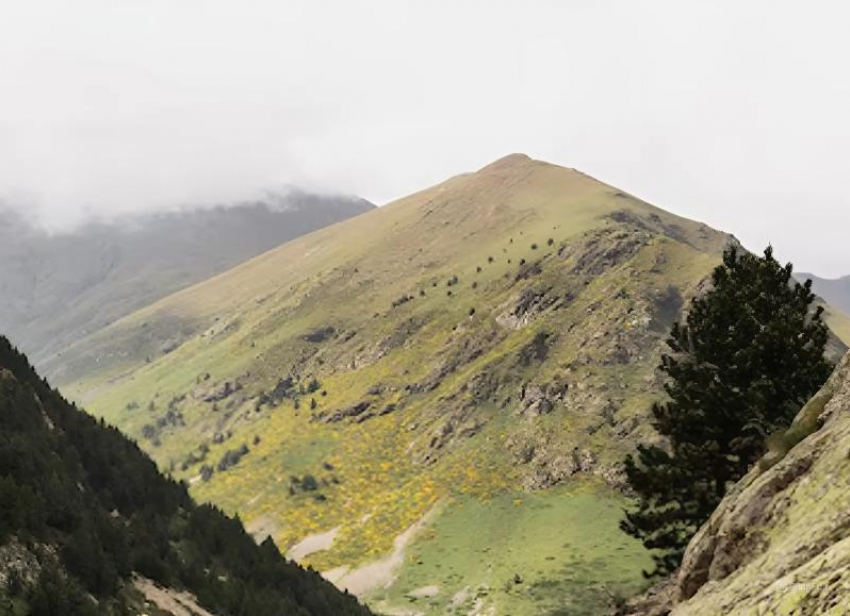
x,y
734,113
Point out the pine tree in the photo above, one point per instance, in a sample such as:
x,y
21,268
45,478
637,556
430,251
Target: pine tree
x,y
747,358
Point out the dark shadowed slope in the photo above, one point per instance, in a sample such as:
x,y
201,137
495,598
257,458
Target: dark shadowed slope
x,y
88,525
56,289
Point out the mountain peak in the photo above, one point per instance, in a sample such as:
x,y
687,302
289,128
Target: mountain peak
x,y
511,161
413,319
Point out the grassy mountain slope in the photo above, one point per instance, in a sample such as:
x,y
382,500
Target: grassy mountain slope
x,y
779,543
368,393
88,525
839,323
56,289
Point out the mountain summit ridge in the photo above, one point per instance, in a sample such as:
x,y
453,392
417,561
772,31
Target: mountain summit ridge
x,y
509,161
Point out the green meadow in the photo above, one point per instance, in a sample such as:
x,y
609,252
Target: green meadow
x,y
542,553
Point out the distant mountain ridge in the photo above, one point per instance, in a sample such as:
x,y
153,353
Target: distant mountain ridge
x,y
836,291
56,289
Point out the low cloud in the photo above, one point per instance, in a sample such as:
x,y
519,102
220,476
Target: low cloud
x,y
728,113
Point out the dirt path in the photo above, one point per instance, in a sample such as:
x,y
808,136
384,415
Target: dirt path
x,y
379,573
312,544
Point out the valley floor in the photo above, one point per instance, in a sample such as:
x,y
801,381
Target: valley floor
x,y
543,553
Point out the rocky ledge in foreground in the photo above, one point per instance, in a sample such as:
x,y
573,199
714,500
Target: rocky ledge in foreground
x,y
779,543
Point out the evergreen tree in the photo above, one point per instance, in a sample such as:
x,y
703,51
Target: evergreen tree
x,y
747,358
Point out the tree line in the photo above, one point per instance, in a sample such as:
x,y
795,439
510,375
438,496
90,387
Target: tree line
x,y
94,509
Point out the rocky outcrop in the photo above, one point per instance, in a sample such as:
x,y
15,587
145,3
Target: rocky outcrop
x,y
549,473
18,562
525,308
540,399
607,248
358,413
460,350
352,411
223,392
368,354
455,424
779,543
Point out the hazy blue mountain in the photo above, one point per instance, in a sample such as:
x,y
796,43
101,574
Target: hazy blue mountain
x,y
58,288
835,291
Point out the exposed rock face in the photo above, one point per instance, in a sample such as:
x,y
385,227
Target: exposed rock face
x,y
551,470
459,424
17,560
368,354
608,248
356,411
779,543
223,392
540,400
524,309
458,352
